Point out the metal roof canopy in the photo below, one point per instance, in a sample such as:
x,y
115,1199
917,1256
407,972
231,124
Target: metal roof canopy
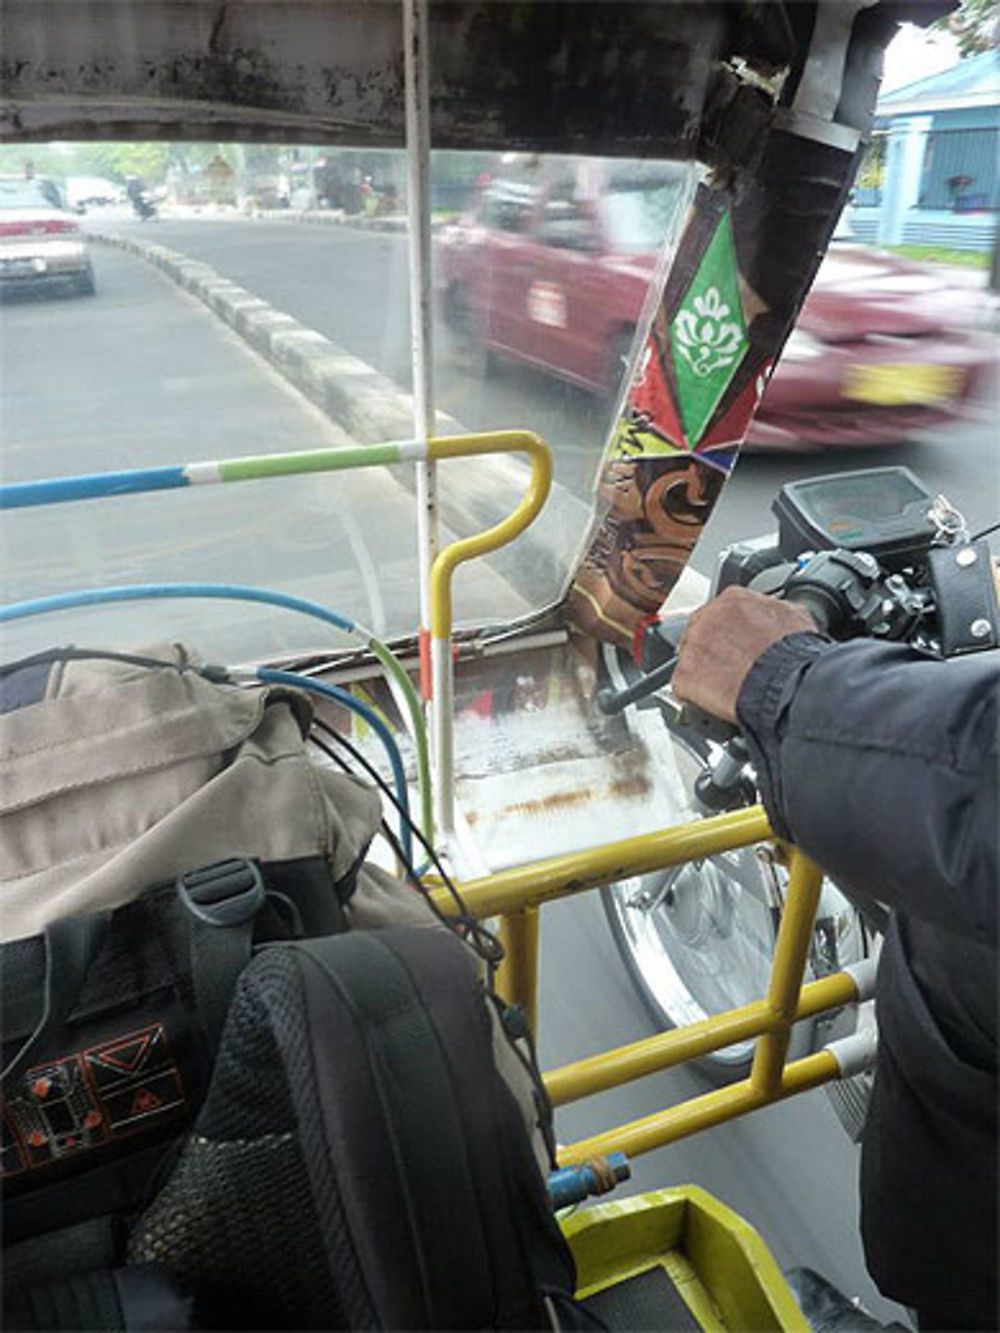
x,y
630,79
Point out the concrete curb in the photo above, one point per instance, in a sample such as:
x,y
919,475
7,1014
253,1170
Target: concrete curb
x,y
329,218
371,409
322,217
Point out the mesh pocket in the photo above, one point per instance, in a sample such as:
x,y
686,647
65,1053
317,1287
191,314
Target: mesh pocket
x,y
236,1221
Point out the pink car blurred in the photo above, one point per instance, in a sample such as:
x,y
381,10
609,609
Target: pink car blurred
x,y
883,347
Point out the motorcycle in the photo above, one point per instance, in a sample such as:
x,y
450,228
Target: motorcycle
x,y
870,554
143,205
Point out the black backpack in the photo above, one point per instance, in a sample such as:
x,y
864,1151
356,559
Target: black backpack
x,y
358,1162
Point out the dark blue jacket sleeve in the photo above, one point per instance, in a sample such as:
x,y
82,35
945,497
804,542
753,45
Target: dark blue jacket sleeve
x,y
882,765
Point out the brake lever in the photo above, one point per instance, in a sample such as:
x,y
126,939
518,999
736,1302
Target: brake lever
x,y
614,701
713,728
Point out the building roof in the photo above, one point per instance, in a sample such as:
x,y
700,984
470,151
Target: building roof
x,y
972,82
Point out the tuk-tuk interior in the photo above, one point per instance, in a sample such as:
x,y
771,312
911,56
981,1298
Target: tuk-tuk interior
x,y
479,598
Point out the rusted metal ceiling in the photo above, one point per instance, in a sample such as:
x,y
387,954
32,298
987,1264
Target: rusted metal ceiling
x,y
615,78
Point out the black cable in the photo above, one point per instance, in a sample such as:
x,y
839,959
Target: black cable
x,y
986,531
91,654
380,782
332,755
482,940
485,944
384,828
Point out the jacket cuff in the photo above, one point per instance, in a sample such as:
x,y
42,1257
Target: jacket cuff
x,y
762,708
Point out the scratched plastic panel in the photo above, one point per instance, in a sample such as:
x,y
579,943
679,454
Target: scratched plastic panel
x,y
263,307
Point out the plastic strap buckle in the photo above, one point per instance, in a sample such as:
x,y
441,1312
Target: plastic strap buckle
x,y
227,893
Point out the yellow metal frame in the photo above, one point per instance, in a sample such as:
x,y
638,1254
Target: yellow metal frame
x,y
718,1263
440,677
515,896
467,548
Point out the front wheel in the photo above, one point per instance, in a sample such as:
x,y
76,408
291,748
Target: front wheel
x,y
84,284
698,939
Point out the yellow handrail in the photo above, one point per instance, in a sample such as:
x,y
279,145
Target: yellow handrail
x,y
442,571
467,548
575,872
515,894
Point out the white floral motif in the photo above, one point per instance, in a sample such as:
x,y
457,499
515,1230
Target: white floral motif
x,y
707,340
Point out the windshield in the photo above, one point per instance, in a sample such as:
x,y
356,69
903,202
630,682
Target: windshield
x,y
639,218
20,193
244,300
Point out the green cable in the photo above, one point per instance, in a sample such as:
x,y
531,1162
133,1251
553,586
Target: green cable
x,y
398,672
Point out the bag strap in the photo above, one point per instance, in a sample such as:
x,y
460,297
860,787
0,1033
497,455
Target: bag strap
x,y
71,945
414,1100
143,1298
472,1223
223,902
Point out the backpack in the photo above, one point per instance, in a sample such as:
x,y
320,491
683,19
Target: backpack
x,y
358,1162
159,830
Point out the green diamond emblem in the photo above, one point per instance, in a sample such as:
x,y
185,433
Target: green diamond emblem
x,y
708,335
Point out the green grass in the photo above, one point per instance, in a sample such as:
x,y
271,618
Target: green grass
x,y
934,254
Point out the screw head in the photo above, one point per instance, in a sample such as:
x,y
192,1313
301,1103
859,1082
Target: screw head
x,y
979,629
965,557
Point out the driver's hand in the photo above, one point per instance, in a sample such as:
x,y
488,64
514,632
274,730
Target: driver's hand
x,y
724,639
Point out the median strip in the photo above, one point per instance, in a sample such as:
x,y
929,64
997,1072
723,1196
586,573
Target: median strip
x,y
371,410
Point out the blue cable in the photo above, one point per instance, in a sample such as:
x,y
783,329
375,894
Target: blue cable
x,y
271,676
64,601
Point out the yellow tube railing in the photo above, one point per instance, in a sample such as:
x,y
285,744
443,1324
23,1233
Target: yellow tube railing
x,y
515,895
442,572
575,872
652,1055
704,1112
528,509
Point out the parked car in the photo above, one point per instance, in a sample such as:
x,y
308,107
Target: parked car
x,y
881,349
92,192
41,245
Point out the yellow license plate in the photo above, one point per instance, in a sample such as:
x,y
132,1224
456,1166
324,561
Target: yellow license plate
x,y
896,385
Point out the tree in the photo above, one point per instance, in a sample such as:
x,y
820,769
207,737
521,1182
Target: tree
x,y
148,161
975,26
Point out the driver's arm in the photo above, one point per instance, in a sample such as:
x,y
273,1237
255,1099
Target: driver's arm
x,y
880,763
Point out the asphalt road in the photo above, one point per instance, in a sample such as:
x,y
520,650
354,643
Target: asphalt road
x,y
352,286
142,375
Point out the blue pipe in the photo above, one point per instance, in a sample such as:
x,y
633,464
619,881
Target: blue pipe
x,y
270,675
141,591
572,1184
58,490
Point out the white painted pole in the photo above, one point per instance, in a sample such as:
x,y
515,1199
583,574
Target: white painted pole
x,y
418,145
442,741
435,657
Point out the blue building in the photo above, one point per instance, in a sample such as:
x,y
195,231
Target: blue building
x,y
932,176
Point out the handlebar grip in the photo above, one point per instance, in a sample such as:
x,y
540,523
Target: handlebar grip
x,y
816,604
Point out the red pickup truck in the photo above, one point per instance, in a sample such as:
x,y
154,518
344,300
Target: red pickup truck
x,y
554,278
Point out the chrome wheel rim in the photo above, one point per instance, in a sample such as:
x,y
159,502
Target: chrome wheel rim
x,y
701,938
